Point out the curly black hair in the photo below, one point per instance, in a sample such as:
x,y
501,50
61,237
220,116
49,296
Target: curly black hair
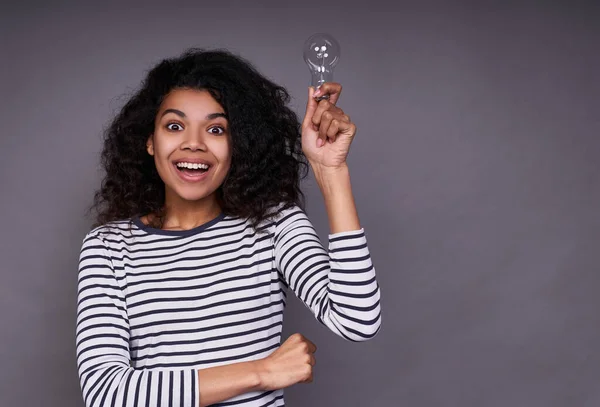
x,y
267,163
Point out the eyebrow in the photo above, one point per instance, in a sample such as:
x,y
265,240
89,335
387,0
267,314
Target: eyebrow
x,y
179,113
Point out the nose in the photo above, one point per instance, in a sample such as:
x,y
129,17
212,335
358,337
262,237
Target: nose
x,y
194,140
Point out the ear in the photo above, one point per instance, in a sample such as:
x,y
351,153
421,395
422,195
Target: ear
x,y
150,145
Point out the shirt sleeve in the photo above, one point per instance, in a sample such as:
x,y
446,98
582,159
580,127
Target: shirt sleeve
x,y
102,340
338,285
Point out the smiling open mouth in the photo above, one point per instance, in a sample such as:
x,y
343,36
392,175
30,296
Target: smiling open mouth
x,y
192,169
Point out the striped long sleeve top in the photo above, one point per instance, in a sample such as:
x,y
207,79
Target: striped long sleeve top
x,y
155,306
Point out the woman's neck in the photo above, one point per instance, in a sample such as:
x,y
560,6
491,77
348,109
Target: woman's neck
x,y
186,215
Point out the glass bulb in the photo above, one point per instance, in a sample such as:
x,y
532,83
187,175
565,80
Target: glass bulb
x,y
321,53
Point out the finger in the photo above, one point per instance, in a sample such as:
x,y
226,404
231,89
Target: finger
x,y
345,127
309,379
326,120
337,111
333,89
311,107
312,348
322,107
333,129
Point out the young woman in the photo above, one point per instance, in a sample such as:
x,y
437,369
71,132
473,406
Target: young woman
x,y
200,233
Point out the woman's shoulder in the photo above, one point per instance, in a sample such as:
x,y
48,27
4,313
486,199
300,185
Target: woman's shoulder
x,y
111,230
284,210
284,215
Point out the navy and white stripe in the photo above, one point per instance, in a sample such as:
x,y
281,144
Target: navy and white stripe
x,y
154,306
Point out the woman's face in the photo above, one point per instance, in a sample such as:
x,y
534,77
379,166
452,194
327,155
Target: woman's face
x,y
191,145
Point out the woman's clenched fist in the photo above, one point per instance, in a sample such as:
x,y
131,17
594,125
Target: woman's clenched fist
x,y
291,363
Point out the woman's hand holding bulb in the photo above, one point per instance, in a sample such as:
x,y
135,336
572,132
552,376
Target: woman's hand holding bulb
x,y
327,131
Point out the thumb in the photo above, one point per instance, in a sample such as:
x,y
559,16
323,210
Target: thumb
x,y
311,107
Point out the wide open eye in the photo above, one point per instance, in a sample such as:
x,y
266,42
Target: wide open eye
x,y
174,126
219,130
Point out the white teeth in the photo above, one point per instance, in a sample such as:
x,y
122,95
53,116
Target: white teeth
x,y
193,166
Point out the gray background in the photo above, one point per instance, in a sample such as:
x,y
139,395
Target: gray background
x,y
475,171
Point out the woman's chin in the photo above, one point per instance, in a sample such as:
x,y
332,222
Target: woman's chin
x,y
193,196
190,197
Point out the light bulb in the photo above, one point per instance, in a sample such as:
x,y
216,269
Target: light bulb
x,y
321,54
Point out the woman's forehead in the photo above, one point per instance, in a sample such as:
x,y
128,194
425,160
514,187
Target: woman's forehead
x,y
193,103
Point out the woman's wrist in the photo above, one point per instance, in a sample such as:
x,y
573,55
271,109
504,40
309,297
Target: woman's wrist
x,y
317,167
258,374
258,371
334,183
331,178
224,382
